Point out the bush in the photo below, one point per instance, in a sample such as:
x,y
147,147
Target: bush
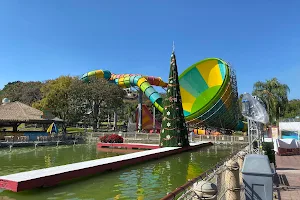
x,y
268,148
104,138
113,138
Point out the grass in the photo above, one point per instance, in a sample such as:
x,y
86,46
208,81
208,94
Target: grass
x,y
106,123
71,130
238,133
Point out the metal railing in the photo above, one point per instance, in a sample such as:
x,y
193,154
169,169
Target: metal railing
x,y
20,139
222,138
214,175
156,137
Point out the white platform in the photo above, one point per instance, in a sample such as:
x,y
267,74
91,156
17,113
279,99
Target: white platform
x,y
35,174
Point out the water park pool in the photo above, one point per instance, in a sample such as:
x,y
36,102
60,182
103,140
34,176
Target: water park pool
x,y
151,180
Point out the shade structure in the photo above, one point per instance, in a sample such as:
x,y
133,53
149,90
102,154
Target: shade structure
x,y
52,128
209,94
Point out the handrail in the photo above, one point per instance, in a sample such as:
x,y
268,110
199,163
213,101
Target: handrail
x,y
172,195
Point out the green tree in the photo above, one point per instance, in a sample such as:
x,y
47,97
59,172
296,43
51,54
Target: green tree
x,y
58,97
130,108
293,109
25,92
174,131
101,98
274,95
241,117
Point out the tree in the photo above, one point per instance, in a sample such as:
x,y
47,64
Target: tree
x,y
25,92
130,109
102,97
274,95
57,97
293,109
241,117
174,131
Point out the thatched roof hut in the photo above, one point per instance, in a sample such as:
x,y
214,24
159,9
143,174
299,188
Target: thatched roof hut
x,y
19,112
15,113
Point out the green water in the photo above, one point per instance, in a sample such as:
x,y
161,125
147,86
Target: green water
x,y
150,180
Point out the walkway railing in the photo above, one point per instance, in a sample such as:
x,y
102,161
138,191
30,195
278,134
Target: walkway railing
x,y
221,176
129,136
18,139
222,138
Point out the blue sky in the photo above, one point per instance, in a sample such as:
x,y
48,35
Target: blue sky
x,y
42,40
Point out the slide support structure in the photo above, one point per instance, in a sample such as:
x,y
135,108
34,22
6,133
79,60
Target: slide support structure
x,y
140,97
154,125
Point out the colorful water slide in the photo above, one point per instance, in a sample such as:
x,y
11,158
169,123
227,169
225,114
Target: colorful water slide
x,y
132,80
147,121
208,90
209,94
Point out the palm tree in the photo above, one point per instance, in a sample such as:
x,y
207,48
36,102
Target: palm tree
x,y
274,95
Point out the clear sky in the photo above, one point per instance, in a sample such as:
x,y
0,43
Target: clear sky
x,y
42,40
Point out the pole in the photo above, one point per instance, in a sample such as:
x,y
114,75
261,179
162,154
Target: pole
x,y
108,121
154,125
115,120
140,97
249,136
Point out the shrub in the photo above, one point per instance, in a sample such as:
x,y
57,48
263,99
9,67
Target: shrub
x,y
104,138
268,148
113,138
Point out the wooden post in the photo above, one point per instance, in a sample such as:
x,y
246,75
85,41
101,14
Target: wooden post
x,y
232,180
15,127
241,157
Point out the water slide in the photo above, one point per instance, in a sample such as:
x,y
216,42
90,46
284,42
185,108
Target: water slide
x,y
208,90
147,122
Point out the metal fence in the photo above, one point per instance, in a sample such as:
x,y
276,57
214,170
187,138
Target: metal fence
x,y
222,138
214,175
20,139
128,136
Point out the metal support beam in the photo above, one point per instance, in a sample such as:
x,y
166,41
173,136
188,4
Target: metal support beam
x,y
249,135
140,110
154,125
255,132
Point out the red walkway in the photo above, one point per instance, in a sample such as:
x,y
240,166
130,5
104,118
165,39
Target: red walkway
x,y
128,145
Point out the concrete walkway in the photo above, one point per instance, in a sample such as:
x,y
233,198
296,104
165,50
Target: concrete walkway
x,y
288,170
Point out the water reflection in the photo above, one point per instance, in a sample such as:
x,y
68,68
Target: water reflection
x,y
6,198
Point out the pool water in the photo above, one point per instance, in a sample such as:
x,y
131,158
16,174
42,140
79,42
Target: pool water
x,y
150,180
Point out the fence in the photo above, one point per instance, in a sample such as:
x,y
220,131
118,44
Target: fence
x,y
20,139
221,182
128,136
222,138
16,138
